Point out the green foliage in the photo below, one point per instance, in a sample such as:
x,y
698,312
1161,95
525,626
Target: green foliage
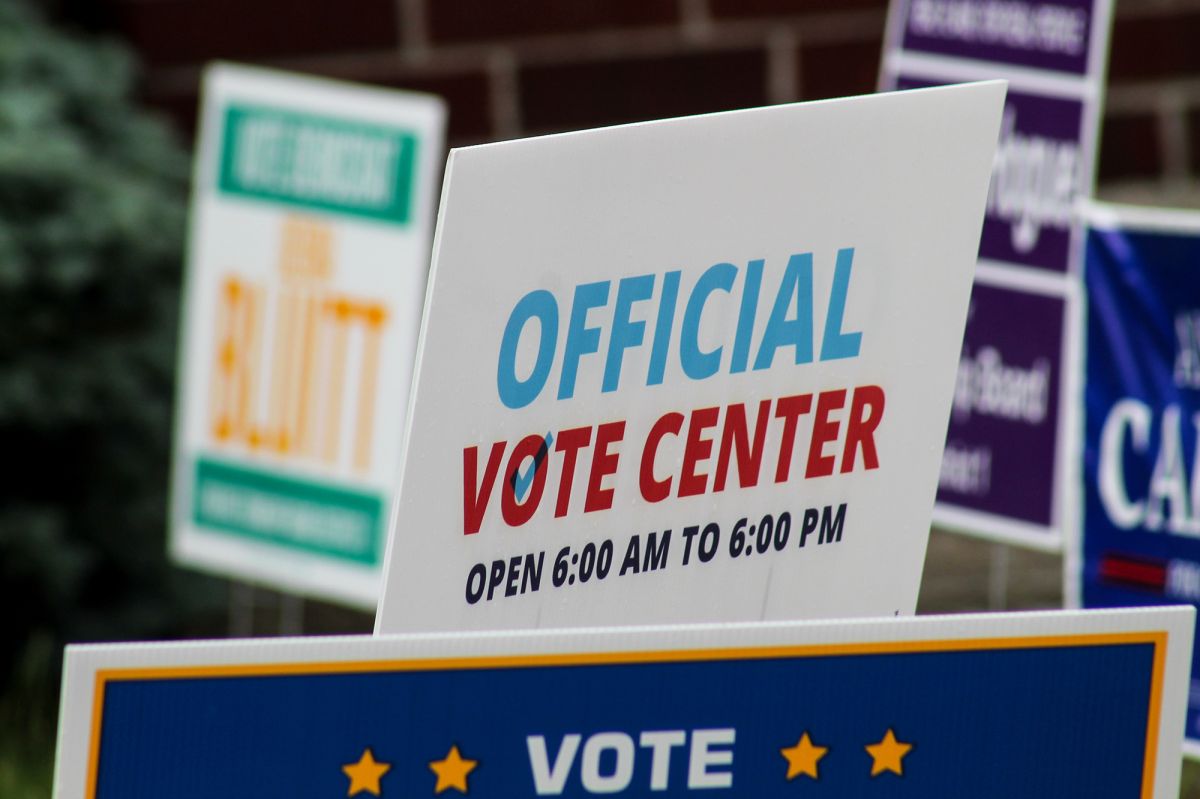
x,y
92,220
27,723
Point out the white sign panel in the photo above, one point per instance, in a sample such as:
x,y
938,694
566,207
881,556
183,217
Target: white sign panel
x,y
692,370
306,268
1032,705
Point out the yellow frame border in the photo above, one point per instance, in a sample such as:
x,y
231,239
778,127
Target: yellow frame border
x,y
1156,638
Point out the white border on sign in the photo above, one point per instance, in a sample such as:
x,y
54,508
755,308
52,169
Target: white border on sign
x,y
962,70
1102,15
893,38
1110,216
1070,465
998,529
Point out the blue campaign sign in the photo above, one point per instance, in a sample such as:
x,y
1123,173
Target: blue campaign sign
x,y
1141,514
1046,706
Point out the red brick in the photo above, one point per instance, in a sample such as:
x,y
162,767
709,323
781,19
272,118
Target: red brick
x,y
1155,47
839,70
468,102
475,20
1194,140
758,9
466,95
193,31
593,93
180,110
1129,148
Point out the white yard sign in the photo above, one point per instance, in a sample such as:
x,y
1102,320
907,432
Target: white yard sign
x,y
307,264
693,370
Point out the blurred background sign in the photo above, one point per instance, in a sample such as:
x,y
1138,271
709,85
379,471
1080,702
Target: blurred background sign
x,y
1140,543
312,204
1006,474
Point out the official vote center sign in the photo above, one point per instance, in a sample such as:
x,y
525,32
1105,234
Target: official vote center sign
x,y
1031,705
306,270
1140,543
692,370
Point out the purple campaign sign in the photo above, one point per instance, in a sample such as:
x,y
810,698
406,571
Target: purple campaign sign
x,y
1037,174
1050,36
1000,450
1001,472
1035,180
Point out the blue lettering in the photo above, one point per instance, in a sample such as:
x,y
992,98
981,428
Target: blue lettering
x,y
624,333
790,323
835,344
745,326
784,332
696,364
581,339
662,328
515,393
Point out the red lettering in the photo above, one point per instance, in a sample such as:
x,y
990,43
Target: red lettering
x,y
790,409
517,513
734,433
654,490
696,449
569,443
475,497
866,412
824,431
604,463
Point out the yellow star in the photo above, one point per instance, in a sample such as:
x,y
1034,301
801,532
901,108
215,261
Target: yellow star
x,y
452,771
803,757
888,754
365,774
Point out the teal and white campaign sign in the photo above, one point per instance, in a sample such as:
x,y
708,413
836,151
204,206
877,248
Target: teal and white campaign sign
x,y
311,216
691,370
1038,706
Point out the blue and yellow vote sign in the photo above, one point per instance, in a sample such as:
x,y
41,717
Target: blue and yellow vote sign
x,y
1045,705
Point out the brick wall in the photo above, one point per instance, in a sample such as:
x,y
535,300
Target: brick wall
x,y
512,68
